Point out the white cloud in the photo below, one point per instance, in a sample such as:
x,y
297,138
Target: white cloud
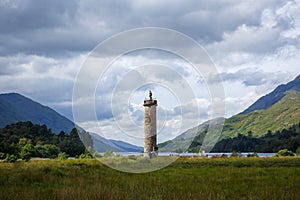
x,y
44,79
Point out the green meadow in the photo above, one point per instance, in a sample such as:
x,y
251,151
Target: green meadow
x,y
187,178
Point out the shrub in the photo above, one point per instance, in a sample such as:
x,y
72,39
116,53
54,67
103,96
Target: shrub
x,y
224,155
2,155
284,152
11,158
132,157
63,156
298,151
252,155
84,155
236,154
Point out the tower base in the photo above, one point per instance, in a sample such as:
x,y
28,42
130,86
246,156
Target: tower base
x,y
150,155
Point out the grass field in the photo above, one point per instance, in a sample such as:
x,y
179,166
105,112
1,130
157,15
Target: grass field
x,y
231,178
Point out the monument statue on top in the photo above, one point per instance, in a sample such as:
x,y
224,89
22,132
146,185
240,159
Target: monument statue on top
x,y
150,95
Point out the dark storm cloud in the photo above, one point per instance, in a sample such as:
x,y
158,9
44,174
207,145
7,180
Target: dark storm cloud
x,y
40,27
22,16
56,27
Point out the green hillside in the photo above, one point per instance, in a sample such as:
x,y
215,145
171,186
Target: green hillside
x,y
193,136
283,114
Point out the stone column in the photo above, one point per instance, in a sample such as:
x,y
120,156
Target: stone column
x,y
150,141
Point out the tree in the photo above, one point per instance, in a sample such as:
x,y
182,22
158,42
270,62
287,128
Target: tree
x,y
61,136
23,141
15,136
85,138
250,134
47,151
72,144
27,152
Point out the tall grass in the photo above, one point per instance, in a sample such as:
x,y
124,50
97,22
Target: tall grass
x,y
240,178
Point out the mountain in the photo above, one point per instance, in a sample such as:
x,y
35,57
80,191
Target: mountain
x,y
276,111
273,97
126,146
15,107
102,144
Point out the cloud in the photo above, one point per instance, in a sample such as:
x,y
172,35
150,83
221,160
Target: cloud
x,y
56,27
276,27
251,77
44,79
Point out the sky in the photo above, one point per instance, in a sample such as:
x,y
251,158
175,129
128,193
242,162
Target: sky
x,y
45,46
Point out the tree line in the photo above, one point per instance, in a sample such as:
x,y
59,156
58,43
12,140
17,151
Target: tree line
x,y
26,140
271,142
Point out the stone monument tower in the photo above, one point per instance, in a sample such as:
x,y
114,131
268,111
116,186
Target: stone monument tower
x,y
150,141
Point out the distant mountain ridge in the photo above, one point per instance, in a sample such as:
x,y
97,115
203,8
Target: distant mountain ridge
x,y
102,144
124,146
273,97
15,107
